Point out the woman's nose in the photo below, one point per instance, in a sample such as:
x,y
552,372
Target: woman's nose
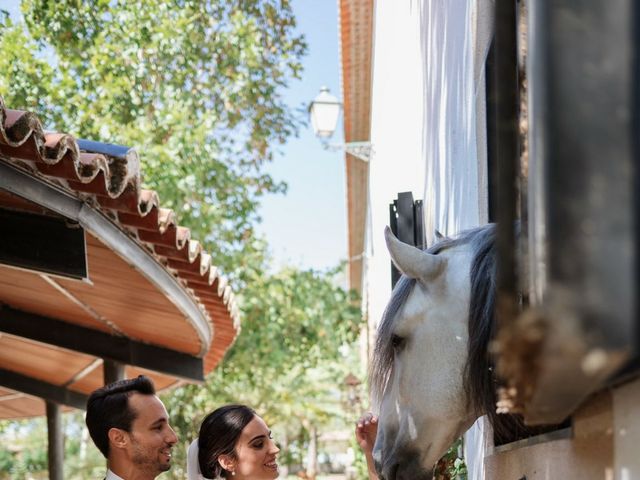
x,y
274,448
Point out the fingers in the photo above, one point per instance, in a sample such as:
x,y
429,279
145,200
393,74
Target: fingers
x,y
367,427
366,419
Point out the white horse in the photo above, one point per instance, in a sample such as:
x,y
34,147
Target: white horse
x,y
431,375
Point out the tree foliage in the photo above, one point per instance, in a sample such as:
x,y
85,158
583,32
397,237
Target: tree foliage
x,y
289,360
23,449
196,86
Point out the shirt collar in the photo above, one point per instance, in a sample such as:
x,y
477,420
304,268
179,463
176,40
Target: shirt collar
x,y
112,476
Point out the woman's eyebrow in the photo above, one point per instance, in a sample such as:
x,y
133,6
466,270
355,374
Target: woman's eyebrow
x,y
257,437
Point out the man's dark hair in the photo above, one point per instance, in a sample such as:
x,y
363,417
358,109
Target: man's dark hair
x,y
108,407
219,434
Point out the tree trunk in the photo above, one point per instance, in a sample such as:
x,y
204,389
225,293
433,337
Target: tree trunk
x,y
84,441
284,447
312,459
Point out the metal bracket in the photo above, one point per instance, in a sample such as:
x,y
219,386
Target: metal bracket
x,y
361,150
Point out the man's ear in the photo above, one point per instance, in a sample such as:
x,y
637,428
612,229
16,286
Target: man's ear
x,y
227,462
118,438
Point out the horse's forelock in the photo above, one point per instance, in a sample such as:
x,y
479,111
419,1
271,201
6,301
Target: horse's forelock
x,y
382,360
478,376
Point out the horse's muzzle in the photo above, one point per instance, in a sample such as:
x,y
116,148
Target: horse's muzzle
x,y
407,468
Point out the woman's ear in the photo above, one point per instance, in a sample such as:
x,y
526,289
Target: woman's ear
x,y
117,438
227,462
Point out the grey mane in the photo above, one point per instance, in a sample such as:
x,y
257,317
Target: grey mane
x,y
479,381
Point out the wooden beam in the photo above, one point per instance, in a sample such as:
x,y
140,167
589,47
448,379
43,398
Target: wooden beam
x,y
99,344
38,388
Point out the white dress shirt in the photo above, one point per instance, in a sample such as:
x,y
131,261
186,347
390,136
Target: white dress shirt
x,y
112,476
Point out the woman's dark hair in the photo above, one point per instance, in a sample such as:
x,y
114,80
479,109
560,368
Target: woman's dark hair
x,y
108,407
219,434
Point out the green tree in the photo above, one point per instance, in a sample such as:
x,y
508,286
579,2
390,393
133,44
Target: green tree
x,y
23,449
195,85
7,463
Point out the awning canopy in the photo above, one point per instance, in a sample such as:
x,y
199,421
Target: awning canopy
x,y
149,298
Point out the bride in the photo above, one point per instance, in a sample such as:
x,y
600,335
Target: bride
x,y
236,443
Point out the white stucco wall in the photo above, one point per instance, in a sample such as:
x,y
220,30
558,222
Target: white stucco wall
x,y
428,79
398,163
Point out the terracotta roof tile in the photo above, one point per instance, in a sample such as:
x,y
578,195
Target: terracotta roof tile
x,y
112,183
356,48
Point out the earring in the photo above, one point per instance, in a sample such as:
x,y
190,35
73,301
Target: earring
x,y
233,473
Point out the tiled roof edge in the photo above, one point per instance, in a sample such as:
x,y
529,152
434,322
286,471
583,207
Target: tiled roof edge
x,y
113,182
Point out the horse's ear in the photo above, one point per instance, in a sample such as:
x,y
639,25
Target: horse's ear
x,y
411,261
438,235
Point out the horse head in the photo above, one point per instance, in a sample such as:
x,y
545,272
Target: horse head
x,y
423,360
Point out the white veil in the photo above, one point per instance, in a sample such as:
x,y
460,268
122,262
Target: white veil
x,y
193,467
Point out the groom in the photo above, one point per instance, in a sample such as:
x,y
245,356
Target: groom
x,y
130,426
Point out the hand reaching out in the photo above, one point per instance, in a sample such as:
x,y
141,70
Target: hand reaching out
x,y
366,431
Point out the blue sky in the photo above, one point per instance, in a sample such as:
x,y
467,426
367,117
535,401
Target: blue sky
x,y
307,226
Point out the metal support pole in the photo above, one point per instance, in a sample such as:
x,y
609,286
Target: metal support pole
x,y
507,151
583,84
406,219
55,438
113,371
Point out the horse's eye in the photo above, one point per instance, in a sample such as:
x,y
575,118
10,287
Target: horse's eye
x,y
397,342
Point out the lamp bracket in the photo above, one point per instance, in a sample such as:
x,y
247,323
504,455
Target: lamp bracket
x,y
361,150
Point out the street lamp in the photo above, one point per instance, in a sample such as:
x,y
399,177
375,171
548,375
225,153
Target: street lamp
x,y
324,111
